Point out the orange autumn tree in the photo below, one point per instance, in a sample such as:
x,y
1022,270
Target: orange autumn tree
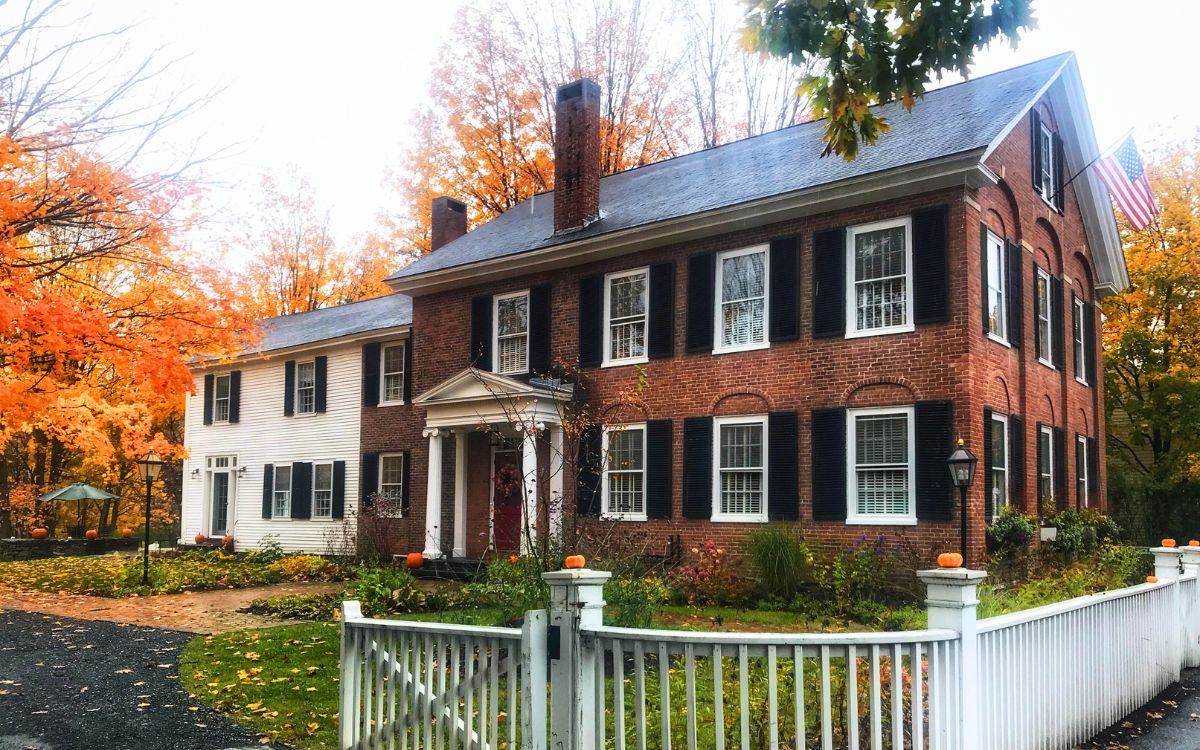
x,y
100,308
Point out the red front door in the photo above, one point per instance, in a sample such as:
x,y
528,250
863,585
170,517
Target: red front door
x,y
507,493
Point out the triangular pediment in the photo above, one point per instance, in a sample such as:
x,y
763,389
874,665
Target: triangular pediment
x,y
480,385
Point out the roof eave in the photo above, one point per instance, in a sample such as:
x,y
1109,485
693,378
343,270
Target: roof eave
x,y
958,169
379,334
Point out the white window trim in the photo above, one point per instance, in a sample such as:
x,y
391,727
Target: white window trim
x,y
1079,345
1048,339
604,505
312,507
275,488
228,397
496,299
852,331
1081,441
1002,337
996,508
718,516
296,393
383,372
879,519
717,302
1048,431
1048,184
608,360
403,481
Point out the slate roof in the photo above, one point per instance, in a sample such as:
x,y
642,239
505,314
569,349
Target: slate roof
x,y
948,121
287,331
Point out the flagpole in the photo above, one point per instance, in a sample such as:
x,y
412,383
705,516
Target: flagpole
x,y
1088,166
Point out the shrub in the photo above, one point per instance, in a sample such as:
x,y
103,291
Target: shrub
x,y
631,602
782,559
298,606
859,573
711,579
383,590
1011,532
269,550
304,567
513,586
1082,530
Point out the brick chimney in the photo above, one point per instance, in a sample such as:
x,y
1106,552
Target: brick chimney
x,y
448,221
576,156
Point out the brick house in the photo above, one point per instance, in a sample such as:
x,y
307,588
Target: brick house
x,y
815,334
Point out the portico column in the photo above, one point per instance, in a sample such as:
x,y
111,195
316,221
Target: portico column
x,y
556,484
460,493
529,467
433,495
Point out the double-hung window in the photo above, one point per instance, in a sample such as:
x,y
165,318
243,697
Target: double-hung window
x,y
281,507
221,398
880,451
306,387
997,292
511,313
1046,459
1045,329
392,373
626,302
625,472
879,277
1081,469
391,484
740,481
1047,164
322,500
1077,340
999,462
742,299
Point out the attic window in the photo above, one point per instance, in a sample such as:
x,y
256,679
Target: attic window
x,y
1047,166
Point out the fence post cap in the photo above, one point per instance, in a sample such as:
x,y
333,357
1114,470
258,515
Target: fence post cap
x,y
1171,551
576,575
952,576
351,610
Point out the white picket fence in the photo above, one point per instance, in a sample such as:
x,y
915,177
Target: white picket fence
x,y
1044,678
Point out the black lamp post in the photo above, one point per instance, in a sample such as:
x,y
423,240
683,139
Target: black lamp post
x,y
962,473
148,469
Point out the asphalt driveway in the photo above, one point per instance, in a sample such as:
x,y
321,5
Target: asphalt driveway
x,y
84,685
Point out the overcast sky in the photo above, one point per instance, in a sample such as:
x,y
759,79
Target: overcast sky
x,y
329,87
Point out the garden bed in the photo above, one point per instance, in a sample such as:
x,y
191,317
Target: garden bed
x,y
39,549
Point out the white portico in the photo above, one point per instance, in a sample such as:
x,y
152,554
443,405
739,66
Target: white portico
x,y
500,426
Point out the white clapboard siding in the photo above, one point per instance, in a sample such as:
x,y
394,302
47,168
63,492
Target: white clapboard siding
x,y
263,435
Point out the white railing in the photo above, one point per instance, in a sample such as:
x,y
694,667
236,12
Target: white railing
x,y
428,685
1047,678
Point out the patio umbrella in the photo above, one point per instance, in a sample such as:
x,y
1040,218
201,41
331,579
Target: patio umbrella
x,y
77,491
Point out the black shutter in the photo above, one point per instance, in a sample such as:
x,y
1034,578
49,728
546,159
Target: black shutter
x,y
235,396
1093,465
405,484
1080,469
658,468
539,329
268,495
1056,320
289,388
829,283
302,490
784,316
983,286
935,441
320,383
209,394
1060,467
660,341
701,282
1035,147
480,355
339,489
587,476
1092,365
1077,363
697,467
370,374
783,465
988,483
1016,461
591,320
1060,165
408,370
1041,463
1016,295
828,443
931,278
368,479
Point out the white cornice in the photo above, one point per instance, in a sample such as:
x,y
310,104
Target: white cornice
x,y
382,334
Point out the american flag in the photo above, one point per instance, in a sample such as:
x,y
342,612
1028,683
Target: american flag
x,y
1123,175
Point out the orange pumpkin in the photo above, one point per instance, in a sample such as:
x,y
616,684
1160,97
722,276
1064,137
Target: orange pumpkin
x,y
1168,542
574,562
126,532
39,533
415,559
514,559
91,534
200,539
227,540
1151,579
1194,543
950,560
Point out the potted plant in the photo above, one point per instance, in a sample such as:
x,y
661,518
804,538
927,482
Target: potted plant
x,y
1049,530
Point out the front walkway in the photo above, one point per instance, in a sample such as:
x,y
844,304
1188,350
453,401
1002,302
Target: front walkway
x,y
201,612
1169,722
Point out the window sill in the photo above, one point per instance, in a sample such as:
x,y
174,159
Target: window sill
x,y
282,519
305,414
624,362
743,348
1001,341
881,521
880,332
1082,382
512,373
1047,363
623,517
738,518
392,403
1049,204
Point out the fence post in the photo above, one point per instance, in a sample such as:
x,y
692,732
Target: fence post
x,y
348,708
1191,608
1167,567
951,601
576,600
1167,563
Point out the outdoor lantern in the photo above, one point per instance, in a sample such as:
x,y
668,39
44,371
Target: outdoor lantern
x,y
962,466
149,467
